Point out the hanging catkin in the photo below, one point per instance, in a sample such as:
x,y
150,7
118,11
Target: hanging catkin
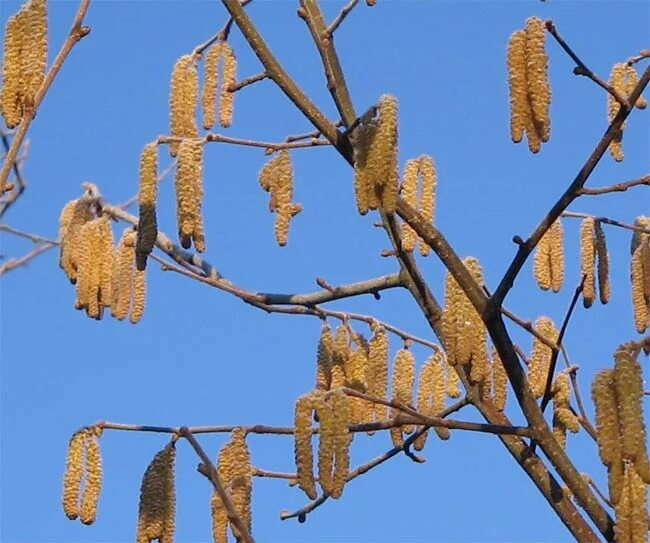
x,y
229,78
428,196
35,43
74,215
241,483
378,370
93,486
303,454
631,81
147,223
157,507
563,417
540,358
403,381
139,296
602,257
363,138
341,441
473,328
10,94
542,267
74,473
617,82
189,194
324,358
340,356
588,261
210,85
183,101
325,444
539,90
409,193
519,105
640,278
431,395
452,309
122,278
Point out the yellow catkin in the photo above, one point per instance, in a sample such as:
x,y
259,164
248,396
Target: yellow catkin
x,y
282,220
472,327
36,45
639,506
106,260
227,469
622,527
403,381
556,255
381,161
540,358
588,261
340,356
428,196
539,90
355,369
324,358
122,279
93,486
183,101
617,81
341,441
453,308
563,416
542,266
189,194
602,257
147,197
69,235
499,381
139,296
519,107
431,394
628,385
219,520
89,268
303,453
409,193
229,78
378,364
631,81
11,71
73,474
453,383
639,302
241,483
210,85
65,218
364,187
157,500
325,444
282,180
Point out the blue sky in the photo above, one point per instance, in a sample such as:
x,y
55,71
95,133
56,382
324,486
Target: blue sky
x,y
200,356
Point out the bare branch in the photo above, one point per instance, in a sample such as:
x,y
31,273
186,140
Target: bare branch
x,y
14,263
275,146
618,187
247,81
606,220
345,10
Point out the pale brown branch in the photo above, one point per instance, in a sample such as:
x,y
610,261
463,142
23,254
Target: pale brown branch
x,y
340,17
275,146
34,238
211,472
219,36
643,54
239,85
582,69
257,472
606,220
14,263
11,195
618,187
77,32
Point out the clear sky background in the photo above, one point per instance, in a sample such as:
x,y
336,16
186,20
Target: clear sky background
x,y
201,356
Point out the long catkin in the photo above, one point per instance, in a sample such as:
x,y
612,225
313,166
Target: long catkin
x,y
189,193
556,255
540,358
403,381
617,81
74,473
409,193
428,196
542,266
602,258
324,358
147,197
94,477
183,101
639,300
588,261
539,90
519,105
210,85
229,78
304,457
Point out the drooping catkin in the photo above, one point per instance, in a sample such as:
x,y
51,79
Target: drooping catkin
x,y
229,78
241,483
431,394
74,473
282,221
156,510
189,194
93,485
639,300
89,270
453,382
602,257
540,358
452,309
561,407
588,261
556,255
147,197
539,90
356,364
341,441
324,358
631,81
139,296
304,456
122,277
340,356
519,105
616,81
542,266
409,193
474,329
499,381
35,59
428,196
325,444
639,506
210,85
70,226
403,381
378,364
183,101
10,93
106,260
363,138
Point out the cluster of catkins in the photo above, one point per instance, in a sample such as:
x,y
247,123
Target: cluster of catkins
x,y
530,92
623,79
549,258
640,275
104,276
617,394
83,464
422,172
276,178
24,61
465,337
157,508
236,474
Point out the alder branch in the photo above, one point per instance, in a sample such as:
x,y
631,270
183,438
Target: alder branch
x,y
618,187
275,146
35,238
606,220
247,81
345,10
643,54
77,32
14,263
312,134
582,69
570,194
213,476
222,35
10,196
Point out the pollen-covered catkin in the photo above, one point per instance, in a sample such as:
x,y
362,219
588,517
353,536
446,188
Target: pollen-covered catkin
x,y
340,356
189,194
556,255
282,220
639,506
631,81
69,236
499,381
157,500
428,196
93,486
147,223
617,81
355,367
74,473
403,381
122,279
341,441
540,358
89,268
363,138
183,101
324,358
539,90
452,311
241,483
303,453
210,85
542,266
325,444
35,42
602,257
639,301
431,394
409,193
519,105
562,413
10,93
588,261
139,295
378,366
229,78
473,328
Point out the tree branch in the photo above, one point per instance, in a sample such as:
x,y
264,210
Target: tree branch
x,y
345,10
606,220
618,187
247,81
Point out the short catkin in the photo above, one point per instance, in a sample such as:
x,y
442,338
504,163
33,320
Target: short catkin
x,y
147,197
324,358
139,295
74,215
616,81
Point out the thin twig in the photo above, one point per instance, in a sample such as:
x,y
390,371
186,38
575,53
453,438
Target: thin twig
x,y
219,36
643,54
14,263
218,138
340,17
35,238
584,418
606,220
247,81
618,187
581,68
9,197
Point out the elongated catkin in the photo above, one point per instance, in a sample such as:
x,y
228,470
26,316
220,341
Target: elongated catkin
x,y
378,364
602,258
617,81
324,358
74,473
147,197
588,261
189,194
403,381
229,78
409,193
341,441
210,85
94,477
539,90
10,99
428,196
499,381
542,266
639,300
303,454
183,101
631,81
540,358
519,106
